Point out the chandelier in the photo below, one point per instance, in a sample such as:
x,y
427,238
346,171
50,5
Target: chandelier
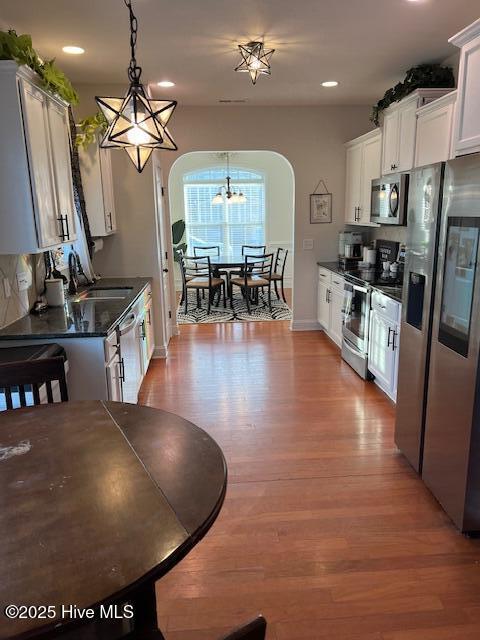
x,y
136,123
255,60
225,190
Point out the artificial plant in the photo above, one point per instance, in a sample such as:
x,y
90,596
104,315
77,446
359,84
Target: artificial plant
x,y
20,49
88,128
423,76
178,230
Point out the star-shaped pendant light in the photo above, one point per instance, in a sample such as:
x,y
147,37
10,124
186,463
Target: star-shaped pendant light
x,y
136,123
255,60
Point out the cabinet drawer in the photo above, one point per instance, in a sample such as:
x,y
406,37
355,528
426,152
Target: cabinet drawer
x,y
337,281
388,308
324,275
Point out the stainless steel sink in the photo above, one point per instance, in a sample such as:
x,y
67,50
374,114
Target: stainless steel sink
x,y
98,294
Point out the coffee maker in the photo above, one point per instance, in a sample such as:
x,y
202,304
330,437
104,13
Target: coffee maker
x,y
350,249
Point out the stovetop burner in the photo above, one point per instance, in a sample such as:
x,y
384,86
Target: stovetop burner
x,y
376,277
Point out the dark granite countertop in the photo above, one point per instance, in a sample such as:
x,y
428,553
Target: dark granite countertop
x,y
387,285
83,319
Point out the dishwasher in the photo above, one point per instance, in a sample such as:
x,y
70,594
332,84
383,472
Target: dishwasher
x,y
130,358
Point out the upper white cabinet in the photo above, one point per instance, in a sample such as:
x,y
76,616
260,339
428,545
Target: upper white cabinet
x,y
97,181
434,131
37,209
363,166
466,137
400,127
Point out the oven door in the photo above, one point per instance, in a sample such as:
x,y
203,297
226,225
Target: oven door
x,y
356,314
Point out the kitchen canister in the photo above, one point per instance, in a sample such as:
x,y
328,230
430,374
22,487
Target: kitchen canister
x,y
55,292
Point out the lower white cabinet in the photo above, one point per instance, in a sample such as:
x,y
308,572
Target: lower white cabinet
x,y
383,342
330,303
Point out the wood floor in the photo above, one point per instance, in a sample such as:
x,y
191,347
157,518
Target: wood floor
x,y
325,529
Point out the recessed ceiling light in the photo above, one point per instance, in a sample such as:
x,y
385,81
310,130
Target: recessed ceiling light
x,y
166,83
330,83
73,50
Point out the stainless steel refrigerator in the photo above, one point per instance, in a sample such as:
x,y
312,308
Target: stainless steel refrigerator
x,y
451,456
423,222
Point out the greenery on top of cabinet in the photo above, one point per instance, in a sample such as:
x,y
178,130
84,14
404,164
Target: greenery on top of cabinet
x,y
20,49
423,76
88,129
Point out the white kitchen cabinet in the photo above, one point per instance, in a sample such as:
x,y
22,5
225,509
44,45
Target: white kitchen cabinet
x,y
400,128
97,181
113,371
323,309
330,303
150,338
363,158
36,193
434,131
466,138
383,342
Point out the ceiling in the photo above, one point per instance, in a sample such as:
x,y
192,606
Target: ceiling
x,y
367,45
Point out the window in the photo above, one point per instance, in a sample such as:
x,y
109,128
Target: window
x,y
227,225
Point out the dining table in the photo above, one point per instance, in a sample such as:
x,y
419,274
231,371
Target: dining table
x,y
99,500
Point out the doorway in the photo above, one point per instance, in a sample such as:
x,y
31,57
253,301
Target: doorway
x,y
250,214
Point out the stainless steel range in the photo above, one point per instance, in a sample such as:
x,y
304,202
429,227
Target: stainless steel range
x,y
355,324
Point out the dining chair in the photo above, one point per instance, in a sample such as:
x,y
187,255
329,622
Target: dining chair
x,y
257,272
254,630
26,377
278,271
253,250
213,250
197,275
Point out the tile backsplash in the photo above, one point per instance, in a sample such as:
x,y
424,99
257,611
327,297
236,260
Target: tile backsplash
x,y
18,303
394,233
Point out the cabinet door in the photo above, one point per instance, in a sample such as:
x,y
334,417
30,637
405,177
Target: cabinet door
x,y
353,182
114,381
372,156
390,142
407,127
149,329
60,145
467,122
40,163
433,139
336,315
381,356
107,190
323,309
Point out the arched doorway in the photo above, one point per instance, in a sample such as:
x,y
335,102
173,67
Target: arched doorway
x,y
266,218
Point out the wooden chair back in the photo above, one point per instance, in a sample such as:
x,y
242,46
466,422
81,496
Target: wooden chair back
x,y
280,261
34,373
214,250
196,267
258,266
254,249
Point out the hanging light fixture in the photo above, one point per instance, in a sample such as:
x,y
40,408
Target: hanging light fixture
x,y
136,123
225,191
255,60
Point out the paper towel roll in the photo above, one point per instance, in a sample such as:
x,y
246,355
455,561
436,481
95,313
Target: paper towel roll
x,y
372,256
55,293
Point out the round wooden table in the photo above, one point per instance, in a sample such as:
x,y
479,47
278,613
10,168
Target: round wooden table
x,y
99,500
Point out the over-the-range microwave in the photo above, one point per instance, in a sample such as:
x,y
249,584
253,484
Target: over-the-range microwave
x,y
389,199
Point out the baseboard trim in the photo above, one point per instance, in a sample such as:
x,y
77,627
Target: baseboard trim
x,y
305,325
160,352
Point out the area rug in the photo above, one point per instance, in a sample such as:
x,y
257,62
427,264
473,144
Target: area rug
x,y
260,312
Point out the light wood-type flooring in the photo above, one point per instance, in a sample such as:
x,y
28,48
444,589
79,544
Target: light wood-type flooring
x,y
325,530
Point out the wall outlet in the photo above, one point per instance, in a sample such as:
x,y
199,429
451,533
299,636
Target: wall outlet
x,y
24,280
308,245
7,289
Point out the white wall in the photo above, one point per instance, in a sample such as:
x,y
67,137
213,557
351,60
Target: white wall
x,y
279,193
311,138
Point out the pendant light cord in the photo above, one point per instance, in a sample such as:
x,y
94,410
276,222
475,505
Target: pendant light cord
x,y
134,70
